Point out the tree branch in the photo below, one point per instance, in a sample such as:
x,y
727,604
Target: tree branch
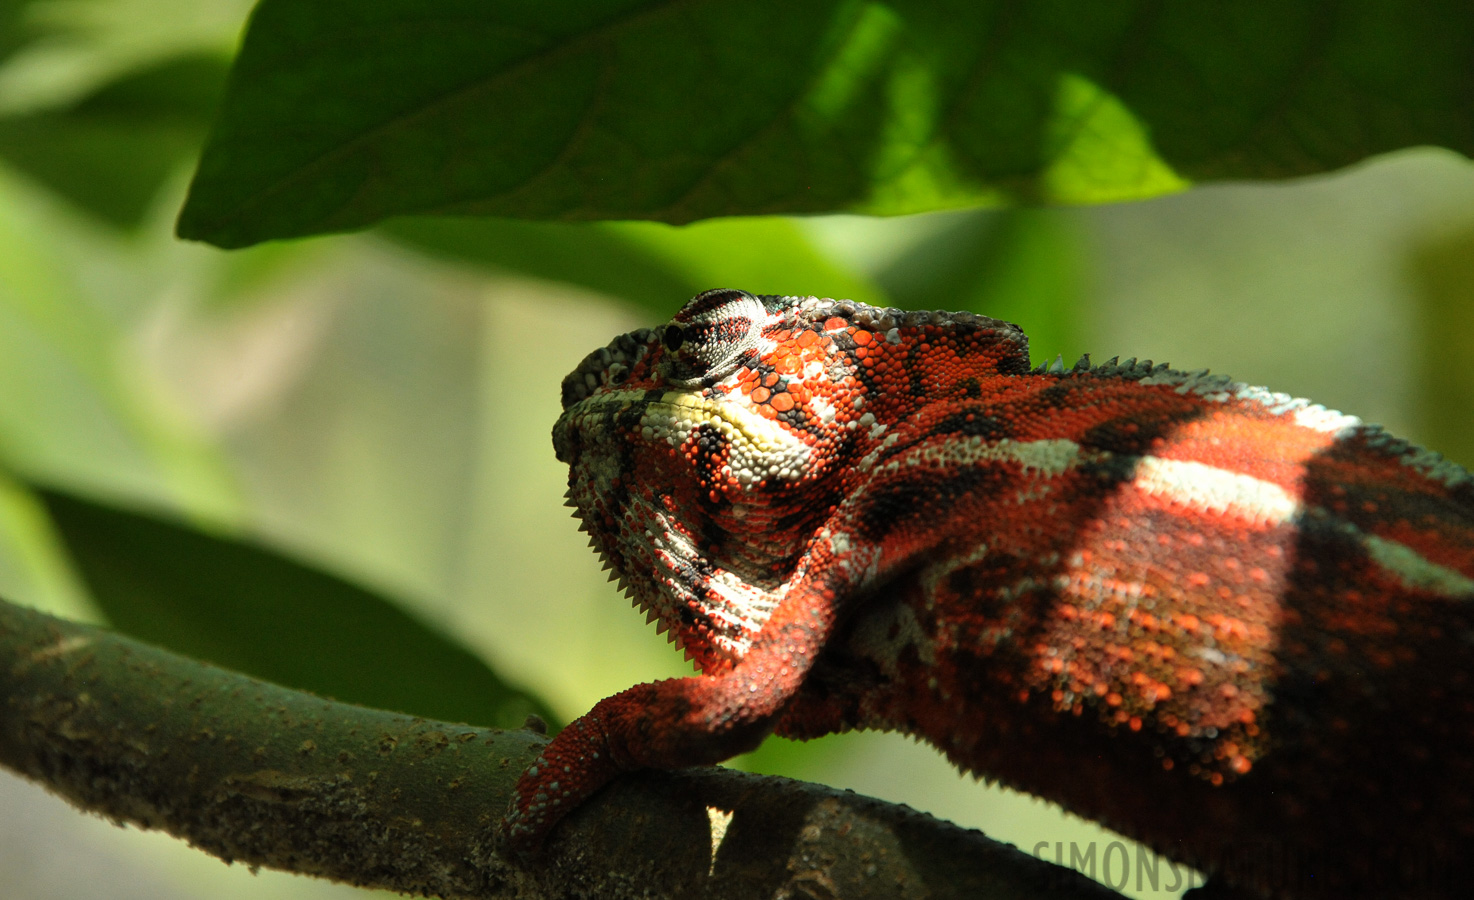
x,y
260,774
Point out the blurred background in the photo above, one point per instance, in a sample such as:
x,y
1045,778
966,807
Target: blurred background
x,y
377,406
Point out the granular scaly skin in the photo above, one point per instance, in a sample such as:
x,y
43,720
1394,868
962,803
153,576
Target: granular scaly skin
x,y
1230,624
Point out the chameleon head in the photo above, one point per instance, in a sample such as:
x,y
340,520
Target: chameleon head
x,y
705,455
700,456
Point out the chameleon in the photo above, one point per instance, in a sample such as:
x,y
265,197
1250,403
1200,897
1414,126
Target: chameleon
x,y
1230,624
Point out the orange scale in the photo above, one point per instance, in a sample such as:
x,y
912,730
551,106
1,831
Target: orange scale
x,y
782,402
760,395
834,324
807,339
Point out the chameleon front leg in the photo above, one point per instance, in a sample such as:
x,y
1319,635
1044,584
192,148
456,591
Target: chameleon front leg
x,y
675,723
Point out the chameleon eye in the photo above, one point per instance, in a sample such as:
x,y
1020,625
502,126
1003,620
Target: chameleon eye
x,y
713,334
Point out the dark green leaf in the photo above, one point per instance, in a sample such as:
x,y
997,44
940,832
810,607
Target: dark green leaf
x,y
111,152
249,609
343,112
14,32
651,265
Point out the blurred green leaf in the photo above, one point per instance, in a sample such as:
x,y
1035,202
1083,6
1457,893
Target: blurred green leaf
x,y
66,50
1443,273
1023,265
250,609
34,570
593,256
651,265
112,151
13,30
77,407
343,112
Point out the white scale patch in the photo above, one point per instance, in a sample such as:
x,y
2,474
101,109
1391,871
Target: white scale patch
x,y
1215,490
1220,491
743,607
1415,570
747,607
1326,421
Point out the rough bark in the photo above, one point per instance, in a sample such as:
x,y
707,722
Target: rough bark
x,y
268,776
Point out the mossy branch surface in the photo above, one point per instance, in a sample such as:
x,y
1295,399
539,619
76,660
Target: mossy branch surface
x,y
267,776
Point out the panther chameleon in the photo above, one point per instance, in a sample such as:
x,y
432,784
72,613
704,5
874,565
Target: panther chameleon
x,y
1204,614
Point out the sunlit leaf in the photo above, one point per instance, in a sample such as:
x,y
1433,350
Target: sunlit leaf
x,y
343,112
256,611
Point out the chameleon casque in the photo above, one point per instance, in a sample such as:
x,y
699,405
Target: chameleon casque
x,y
1203,614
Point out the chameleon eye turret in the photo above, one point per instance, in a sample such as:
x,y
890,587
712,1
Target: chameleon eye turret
x,y
713,334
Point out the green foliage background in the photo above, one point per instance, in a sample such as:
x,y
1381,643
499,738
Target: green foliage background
x,y
325,460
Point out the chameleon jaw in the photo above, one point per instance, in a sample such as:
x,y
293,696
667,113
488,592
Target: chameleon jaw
x,y
709,612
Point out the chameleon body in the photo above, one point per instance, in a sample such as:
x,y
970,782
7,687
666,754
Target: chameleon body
x,y
1233,625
